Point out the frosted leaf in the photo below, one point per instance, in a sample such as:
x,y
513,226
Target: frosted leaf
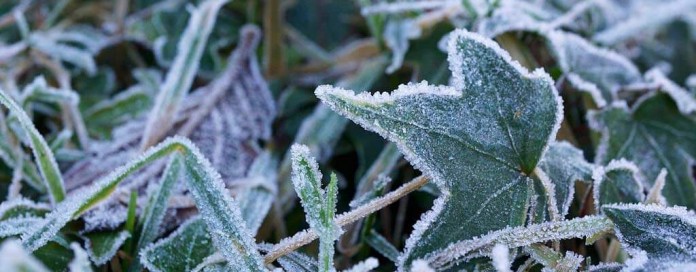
x,y
183,250
22,207
43,155
80,262
662,236
108,215
553,260
645,20
180,76
294,261
500,255
364,266
564,164
491,148
17,226
319,204
591,69
322,129
654,135
15,259
126,105
381,245
589,227
256,199
64,52
397,34
404,6
102,246
619,182
686,102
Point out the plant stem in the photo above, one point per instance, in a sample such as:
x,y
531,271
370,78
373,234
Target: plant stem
x,y
305,237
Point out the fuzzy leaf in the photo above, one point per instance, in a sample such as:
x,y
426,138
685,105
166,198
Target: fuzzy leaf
x,y
481,156
101,246
589,227
591,69
319,204
662,235
618,182
182,250
654,135
42,153
219,210
564,164
15,259
180,77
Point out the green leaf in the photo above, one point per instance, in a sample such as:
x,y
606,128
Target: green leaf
x,y
319,204
218,209
619,182
654,135
590,227
554,260
481,156
101,246
255,201
183,250
592,69
42,153
564,164
151,218
381,245
54,255
658,238
22,207
180,76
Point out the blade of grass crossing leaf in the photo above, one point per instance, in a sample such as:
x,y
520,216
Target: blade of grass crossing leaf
x,y
220,212
42,153
180,77
156,208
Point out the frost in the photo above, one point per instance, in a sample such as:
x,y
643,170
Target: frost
x,y
102,246
15,259
21,207
397,33
184,68
64,52
686,102
80,262
645,20
589,226
564,165
319,204
405,6
658,237
419,119
653,134
591,69
182,250
364,266
43,155
256,199
619,182
421,266
501,258
553,260
381,245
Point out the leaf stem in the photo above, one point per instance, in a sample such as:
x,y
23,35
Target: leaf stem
x,y
305,237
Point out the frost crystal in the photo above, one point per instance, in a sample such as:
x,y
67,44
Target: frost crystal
x,y
364,266
619,182
80,262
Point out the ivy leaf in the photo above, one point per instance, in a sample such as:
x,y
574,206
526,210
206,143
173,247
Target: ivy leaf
x,y
564,164
592,69
182,250
659,238
101,246
654,135
479,156
618,182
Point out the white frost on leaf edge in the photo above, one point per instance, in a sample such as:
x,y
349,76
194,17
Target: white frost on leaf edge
x,y
684,99
5,206
655,194
678,211
146,250
364,266
99,260
404,90
622,164
80,262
